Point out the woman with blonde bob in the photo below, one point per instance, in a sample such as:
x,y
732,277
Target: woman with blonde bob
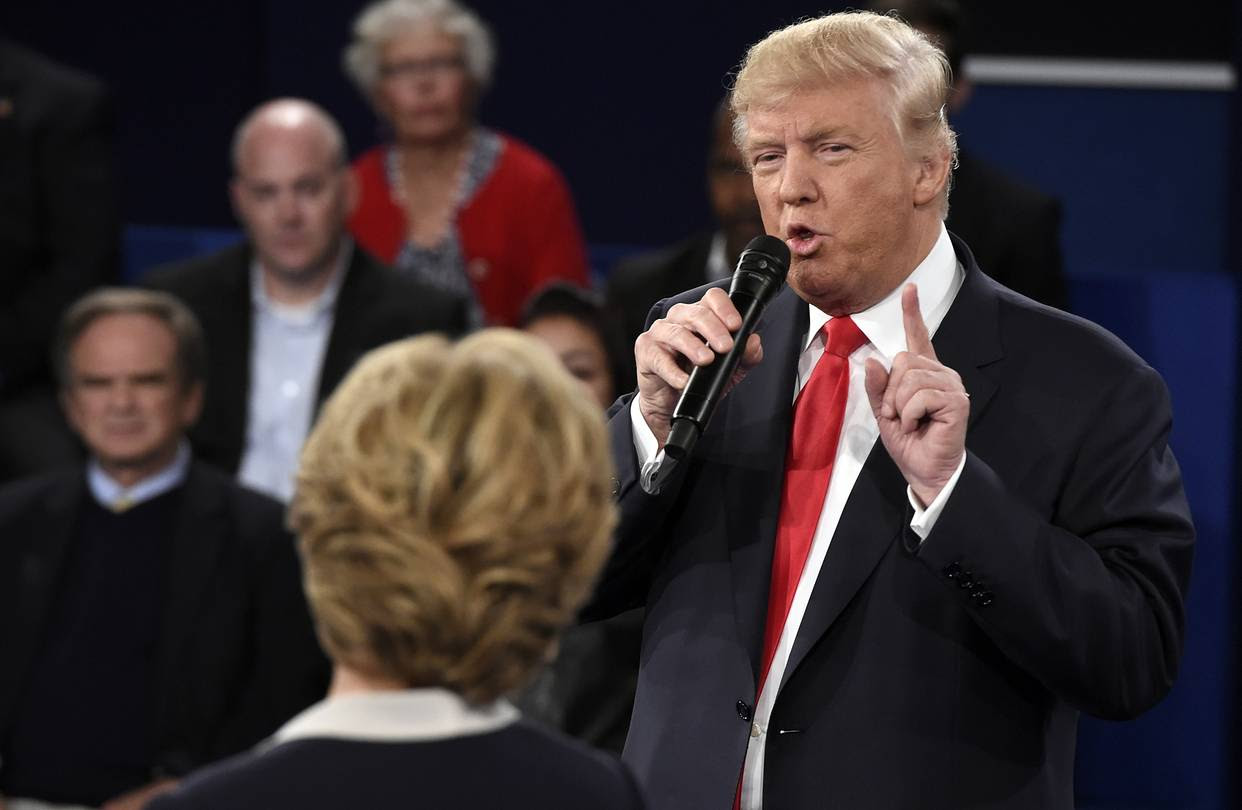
x,y
454,507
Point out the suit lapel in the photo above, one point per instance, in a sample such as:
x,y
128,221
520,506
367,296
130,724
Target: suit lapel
x,y
968,340
348,325
230,328
757,423
877,509
37,580
195,545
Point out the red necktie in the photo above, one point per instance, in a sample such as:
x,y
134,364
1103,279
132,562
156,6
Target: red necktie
x,y
818,414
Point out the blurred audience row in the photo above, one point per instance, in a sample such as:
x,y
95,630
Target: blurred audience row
x,y
151,605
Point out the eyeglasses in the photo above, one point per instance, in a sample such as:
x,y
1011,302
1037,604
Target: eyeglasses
x,y
436,66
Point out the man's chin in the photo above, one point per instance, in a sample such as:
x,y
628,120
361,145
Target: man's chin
x,y
821,288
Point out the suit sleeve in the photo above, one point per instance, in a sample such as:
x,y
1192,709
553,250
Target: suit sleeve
x,y
1091,602
637,547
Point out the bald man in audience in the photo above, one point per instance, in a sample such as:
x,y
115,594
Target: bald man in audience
x,y
289,310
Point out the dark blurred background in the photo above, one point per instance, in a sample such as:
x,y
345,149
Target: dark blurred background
x,y
620,95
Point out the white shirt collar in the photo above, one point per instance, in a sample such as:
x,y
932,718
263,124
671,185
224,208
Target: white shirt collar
x,y
111,495
938,277
410,715
306,313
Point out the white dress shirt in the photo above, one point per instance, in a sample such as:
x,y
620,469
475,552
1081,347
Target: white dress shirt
x,y
286,355
938,277
111,495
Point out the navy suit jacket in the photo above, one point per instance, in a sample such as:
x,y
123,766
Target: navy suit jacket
x,y
518,767
949,674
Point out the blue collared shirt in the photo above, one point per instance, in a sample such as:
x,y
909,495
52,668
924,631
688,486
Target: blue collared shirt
x,y
286,355
111,495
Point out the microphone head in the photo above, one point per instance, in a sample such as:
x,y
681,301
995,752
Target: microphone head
x,y
766,253
761,270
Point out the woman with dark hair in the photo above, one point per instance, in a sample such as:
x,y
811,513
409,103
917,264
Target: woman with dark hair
x,y
581,332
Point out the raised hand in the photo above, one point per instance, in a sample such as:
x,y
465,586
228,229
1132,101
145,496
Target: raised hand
x,y
921,407
690,335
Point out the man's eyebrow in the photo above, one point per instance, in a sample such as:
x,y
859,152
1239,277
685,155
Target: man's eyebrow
x,y
824,133
753,144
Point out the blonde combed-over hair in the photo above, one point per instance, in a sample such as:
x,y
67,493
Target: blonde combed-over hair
x,y
817,53
454,507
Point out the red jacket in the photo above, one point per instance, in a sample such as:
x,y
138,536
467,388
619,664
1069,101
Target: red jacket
x,y
517,232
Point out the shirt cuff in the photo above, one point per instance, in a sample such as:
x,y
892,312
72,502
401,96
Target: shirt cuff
x,y
646,446
925,519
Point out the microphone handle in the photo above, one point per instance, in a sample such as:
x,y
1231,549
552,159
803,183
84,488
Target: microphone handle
x,y
695,407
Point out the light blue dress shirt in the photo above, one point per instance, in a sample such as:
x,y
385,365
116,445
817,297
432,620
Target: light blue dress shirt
x,y
111,495
286,354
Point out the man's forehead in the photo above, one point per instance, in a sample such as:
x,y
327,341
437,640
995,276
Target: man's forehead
x,y
813,112
296,151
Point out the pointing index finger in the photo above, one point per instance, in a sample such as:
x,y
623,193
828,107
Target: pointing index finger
x,y
918,341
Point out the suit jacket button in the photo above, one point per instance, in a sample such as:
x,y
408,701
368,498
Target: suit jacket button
x,y
966,579
743,710
952,570
984,598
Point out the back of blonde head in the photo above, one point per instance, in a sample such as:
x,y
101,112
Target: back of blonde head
x,y
454,507
819,53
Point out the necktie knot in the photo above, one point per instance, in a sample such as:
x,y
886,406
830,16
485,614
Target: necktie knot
x,y
842,337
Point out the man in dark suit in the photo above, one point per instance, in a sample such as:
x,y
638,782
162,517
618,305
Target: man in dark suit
x,y
1014,230
287,312
151,610
915,622
58,238
639,281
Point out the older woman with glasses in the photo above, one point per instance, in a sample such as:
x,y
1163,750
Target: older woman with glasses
x,y
463,206
454,507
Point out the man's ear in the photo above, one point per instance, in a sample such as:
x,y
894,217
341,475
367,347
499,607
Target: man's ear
x,y
192,405
235,198
69,408
349,188
933,175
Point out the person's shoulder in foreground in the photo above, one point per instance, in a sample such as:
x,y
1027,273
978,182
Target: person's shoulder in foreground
x,y
520,765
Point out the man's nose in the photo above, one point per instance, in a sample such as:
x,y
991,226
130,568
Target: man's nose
x,y
797,180
287,208
123,397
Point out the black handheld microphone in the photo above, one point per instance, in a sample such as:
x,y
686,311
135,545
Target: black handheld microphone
x,y
759,276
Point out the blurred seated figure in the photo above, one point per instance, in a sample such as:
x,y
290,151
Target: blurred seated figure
x,y
151,611
1014,231
453,203
588,691
59,237
288,311
454,507
580,330
638,282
